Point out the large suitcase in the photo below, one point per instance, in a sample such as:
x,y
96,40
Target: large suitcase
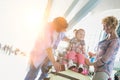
x,y
68,75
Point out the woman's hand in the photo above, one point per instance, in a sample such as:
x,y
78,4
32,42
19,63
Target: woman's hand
x,y
87,61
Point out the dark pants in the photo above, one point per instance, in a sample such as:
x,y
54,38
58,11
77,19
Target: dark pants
x,y
33,71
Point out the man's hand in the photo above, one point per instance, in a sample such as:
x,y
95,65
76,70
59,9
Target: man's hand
x,y
49,50
57,66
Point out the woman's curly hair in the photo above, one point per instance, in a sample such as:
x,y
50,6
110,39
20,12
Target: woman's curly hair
x,y
110,21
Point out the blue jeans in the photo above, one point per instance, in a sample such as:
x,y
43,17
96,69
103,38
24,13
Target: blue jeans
x,y
33,71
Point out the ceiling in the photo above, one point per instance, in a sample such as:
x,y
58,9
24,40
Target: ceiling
x,y
75,10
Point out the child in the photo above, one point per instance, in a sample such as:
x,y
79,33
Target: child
x,y
76,54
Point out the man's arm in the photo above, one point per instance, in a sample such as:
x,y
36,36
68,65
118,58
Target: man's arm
x,y
66,39
52,59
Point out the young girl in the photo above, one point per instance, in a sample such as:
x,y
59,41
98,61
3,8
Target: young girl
x,y
76,52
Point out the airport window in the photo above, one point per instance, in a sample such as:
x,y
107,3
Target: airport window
x,y
118,30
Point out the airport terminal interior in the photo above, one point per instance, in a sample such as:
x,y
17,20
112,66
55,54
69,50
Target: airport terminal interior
x,y
22,20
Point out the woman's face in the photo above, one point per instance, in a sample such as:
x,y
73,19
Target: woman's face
x,y
80,35
107,28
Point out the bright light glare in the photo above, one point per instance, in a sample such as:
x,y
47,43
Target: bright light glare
x,y
34,19
32,25
21,21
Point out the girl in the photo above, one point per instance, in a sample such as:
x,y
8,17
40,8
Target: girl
x,y
76,54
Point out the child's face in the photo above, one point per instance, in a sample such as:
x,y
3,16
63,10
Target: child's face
x,y
80,35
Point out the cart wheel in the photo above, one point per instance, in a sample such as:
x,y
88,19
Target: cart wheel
x,y
80,70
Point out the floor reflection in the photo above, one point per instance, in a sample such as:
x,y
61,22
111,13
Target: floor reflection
x,y
12,67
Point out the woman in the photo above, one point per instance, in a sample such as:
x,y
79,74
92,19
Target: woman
x,y
107,50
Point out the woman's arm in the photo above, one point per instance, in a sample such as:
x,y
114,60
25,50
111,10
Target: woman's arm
x,y
109,53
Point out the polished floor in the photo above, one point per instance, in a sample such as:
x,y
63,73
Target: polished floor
x,y
13,67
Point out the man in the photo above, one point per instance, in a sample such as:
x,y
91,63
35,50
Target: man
x,y
42,53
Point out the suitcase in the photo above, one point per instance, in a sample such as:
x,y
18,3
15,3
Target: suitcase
x,y
68,75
